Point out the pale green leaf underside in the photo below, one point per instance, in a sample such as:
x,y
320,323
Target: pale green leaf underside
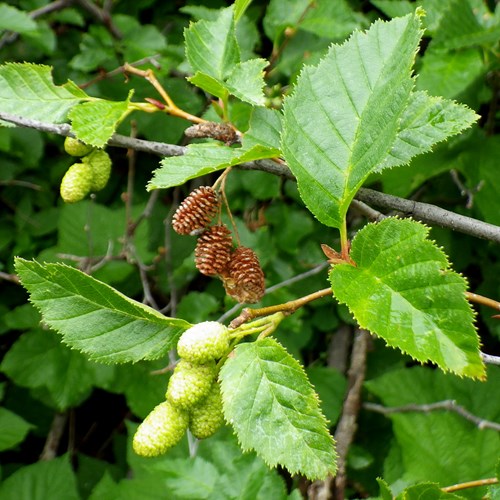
x,y
355,113
342,119
95,122
211,46
403,291
209,84
247,81
201,159
275,411
96,319
426,121
29,91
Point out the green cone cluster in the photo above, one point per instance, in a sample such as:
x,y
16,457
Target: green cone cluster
x,y
91,175
193,397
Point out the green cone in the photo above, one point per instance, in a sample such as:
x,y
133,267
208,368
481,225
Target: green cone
x,y
206,417
204,342
75,184
190,383
160,430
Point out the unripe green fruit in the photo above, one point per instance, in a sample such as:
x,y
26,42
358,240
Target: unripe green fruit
x,y
74,147
190,383
75,184
160,430
206,417
204,342
100,164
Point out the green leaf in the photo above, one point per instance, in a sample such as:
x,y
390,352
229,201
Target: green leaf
x,y
42,480
95,122
28,90
240,6
426,121
260,142
265,129
96,319
479,164
440,446
332,20
385,491
330,386
38,360
281,14
202,159
429,491
13,429
246,81
211,46
449,74
403,290
16,20
457,25
342,119
274,410
209,84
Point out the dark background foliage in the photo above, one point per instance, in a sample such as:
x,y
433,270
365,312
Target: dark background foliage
x,y
55,403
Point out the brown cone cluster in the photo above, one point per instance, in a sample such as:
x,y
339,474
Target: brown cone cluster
x,y
239,269
196,211
244,278
213,250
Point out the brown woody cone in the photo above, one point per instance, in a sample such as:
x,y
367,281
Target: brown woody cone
x,y
244,279
213,250
196,211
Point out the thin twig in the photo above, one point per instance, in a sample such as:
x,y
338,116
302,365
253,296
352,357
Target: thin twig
x,y
425,212
9,277
287,308
102,15
484,301
489,359
57,428
121,70
25,184
470,484
347,426
448,405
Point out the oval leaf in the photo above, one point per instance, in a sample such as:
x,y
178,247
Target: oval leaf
x,y
404,291
95,318
275,411
342,119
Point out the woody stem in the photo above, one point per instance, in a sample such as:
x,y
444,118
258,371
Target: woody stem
x,y
287,308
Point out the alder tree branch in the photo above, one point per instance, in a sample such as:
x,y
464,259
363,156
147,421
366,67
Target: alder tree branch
x,y
347,426
57,428
470,484
489,359
424,212
448,405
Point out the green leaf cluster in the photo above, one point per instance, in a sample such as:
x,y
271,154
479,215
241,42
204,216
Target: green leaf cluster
x,y
345,96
